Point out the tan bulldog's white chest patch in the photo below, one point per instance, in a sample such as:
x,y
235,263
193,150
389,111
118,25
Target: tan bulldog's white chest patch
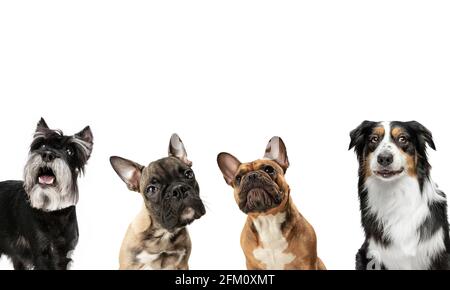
x,y
272,252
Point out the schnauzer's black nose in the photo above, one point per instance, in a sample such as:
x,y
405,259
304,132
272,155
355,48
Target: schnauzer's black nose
x,y
48,156
385,159
180,191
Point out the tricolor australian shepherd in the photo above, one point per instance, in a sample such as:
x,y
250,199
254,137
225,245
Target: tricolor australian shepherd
x,y
403,213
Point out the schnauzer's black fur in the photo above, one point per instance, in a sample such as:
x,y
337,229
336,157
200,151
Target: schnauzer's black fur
x,y
43,238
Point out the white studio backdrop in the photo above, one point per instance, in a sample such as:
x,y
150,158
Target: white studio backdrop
x,y
225,76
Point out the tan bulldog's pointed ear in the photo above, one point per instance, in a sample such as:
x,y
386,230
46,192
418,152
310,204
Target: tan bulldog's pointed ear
x,y
130,172
276,151
229,165
176,149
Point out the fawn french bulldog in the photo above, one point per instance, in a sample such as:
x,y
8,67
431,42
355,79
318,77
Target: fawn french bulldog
x,y
276,236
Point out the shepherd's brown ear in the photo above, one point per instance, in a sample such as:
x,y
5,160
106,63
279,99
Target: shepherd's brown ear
x,y
229,166
276,151
130,172
425,135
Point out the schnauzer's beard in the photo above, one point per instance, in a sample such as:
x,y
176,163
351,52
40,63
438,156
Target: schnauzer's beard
x,y
62,194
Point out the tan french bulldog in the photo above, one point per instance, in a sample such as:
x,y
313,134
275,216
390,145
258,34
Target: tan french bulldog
x,y
276,236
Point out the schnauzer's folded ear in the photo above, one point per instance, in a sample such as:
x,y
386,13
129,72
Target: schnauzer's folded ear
x,y
130,172
85,140
41,125
176,149
229,166
276,151
86,135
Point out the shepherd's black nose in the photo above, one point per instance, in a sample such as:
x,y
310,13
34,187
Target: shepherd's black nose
x,y
48,156
180,191
385,159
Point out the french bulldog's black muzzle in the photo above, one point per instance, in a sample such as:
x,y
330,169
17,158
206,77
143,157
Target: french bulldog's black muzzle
x,y
181,205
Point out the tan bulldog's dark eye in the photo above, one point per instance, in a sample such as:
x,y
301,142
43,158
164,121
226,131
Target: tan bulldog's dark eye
x,y
189,174
238,179
269,170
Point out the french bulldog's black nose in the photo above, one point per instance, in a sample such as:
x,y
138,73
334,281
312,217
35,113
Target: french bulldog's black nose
x,y
385,159
48,156
180,191
252,176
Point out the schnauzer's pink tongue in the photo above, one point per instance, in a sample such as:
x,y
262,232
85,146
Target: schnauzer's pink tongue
x,y
45,179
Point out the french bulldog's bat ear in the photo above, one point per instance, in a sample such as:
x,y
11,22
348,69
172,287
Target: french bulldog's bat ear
x,y
176,149
130,172
229,166
85,140
276,151
42,125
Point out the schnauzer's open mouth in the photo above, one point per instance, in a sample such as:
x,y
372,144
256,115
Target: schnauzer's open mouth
x,y
46,176
388,173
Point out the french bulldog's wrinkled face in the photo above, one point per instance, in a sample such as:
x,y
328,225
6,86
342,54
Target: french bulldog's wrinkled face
x,y
168,186
259,186
171,192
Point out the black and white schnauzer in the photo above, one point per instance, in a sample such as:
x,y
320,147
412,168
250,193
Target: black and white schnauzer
x,y
403,213
38,224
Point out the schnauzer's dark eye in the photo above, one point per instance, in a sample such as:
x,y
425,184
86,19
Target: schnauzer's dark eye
x,y
43,146
269,170
374,139
402,140
238,179
151,189
189,174
69,151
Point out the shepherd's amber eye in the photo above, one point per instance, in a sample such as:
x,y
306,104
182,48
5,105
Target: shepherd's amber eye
x,y
402,140
374,139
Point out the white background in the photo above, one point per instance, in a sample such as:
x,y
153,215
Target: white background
x,y
226,76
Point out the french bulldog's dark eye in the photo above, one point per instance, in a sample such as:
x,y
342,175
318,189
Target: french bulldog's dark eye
x,y
189,174
402,140
151,189
43,146
69,151
269,170
374,139
238,179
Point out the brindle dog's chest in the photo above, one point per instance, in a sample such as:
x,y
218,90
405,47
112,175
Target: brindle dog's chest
x,y
166,260
163,252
